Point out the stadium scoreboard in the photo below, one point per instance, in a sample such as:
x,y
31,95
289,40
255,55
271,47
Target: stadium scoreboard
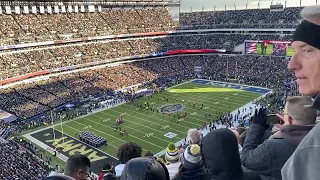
x,y
268,47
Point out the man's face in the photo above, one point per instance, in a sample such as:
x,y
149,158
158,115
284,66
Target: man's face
x,y
306,65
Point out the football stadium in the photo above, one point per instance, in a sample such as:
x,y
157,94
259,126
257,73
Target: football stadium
x,y
151,89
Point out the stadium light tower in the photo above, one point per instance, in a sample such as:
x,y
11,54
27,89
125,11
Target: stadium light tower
x,y
285,4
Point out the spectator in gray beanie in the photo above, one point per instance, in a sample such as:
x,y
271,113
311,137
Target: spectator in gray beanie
x,y
304,162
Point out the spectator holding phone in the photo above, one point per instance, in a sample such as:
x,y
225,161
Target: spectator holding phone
x,y
268,157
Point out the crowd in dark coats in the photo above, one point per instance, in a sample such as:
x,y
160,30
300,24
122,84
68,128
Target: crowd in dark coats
x,y
23,28
39,59
27,100
252,70
16,162
250,18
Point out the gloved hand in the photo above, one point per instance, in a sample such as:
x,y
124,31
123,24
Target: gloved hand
x,y
260,118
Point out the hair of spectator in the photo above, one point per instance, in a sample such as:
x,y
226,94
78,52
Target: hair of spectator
x,y
195,136
312,14
75,163
148,153
128,151
301,115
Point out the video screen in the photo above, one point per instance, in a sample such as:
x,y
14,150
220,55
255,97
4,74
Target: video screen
x,y
267,47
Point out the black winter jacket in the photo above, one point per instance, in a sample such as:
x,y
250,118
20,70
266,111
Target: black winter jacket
x,y
144,169
198,174
268,157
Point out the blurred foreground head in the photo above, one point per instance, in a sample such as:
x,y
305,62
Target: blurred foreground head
x,y
77,166
306,60
128,151
221,155
144,169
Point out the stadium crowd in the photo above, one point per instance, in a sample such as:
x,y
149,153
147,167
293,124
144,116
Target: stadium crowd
x,y
19,163
251,18
43,27
33,60
30,99
286,150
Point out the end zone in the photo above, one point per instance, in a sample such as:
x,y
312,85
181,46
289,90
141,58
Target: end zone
x,y
67,146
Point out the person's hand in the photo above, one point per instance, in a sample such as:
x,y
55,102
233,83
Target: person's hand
x,y
260,118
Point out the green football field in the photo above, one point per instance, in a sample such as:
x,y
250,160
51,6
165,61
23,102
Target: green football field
x,y
269,50
290,51
154,131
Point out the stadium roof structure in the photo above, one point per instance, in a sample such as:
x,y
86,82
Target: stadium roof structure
x,y
90,2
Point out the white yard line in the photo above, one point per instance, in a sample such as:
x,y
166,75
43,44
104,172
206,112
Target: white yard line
x,y
161,153
80,117
28,135
124,125
116,137
157,119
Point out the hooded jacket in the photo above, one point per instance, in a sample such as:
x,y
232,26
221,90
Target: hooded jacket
x,y
268,157
220,154
144,169
198,174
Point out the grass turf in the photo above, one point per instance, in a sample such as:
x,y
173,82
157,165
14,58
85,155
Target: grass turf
x,y
269,50
148,128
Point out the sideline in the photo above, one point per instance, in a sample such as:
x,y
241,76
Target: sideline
x,y
161,153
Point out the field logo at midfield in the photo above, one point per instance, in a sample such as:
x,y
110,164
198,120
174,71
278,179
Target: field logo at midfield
x,y
171,108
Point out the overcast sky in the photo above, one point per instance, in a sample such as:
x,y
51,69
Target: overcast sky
x,y
240,4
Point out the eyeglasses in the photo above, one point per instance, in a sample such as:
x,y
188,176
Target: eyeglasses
x,y
87,174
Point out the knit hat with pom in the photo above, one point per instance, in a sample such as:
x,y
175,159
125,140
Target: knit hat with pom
x,y
191,158
172,154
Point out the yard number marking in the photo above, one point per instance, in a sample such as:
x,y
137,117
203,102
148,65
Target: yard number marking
x,y
165,127
148,135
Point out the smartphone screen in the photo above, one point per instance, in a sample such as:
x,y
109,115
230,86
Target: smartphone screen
x,y
273,119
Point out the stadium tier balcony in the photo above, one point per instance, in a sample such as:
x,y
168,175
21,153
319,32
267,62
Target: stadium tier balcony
x,y
252,18
31,99
42,27
33,60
